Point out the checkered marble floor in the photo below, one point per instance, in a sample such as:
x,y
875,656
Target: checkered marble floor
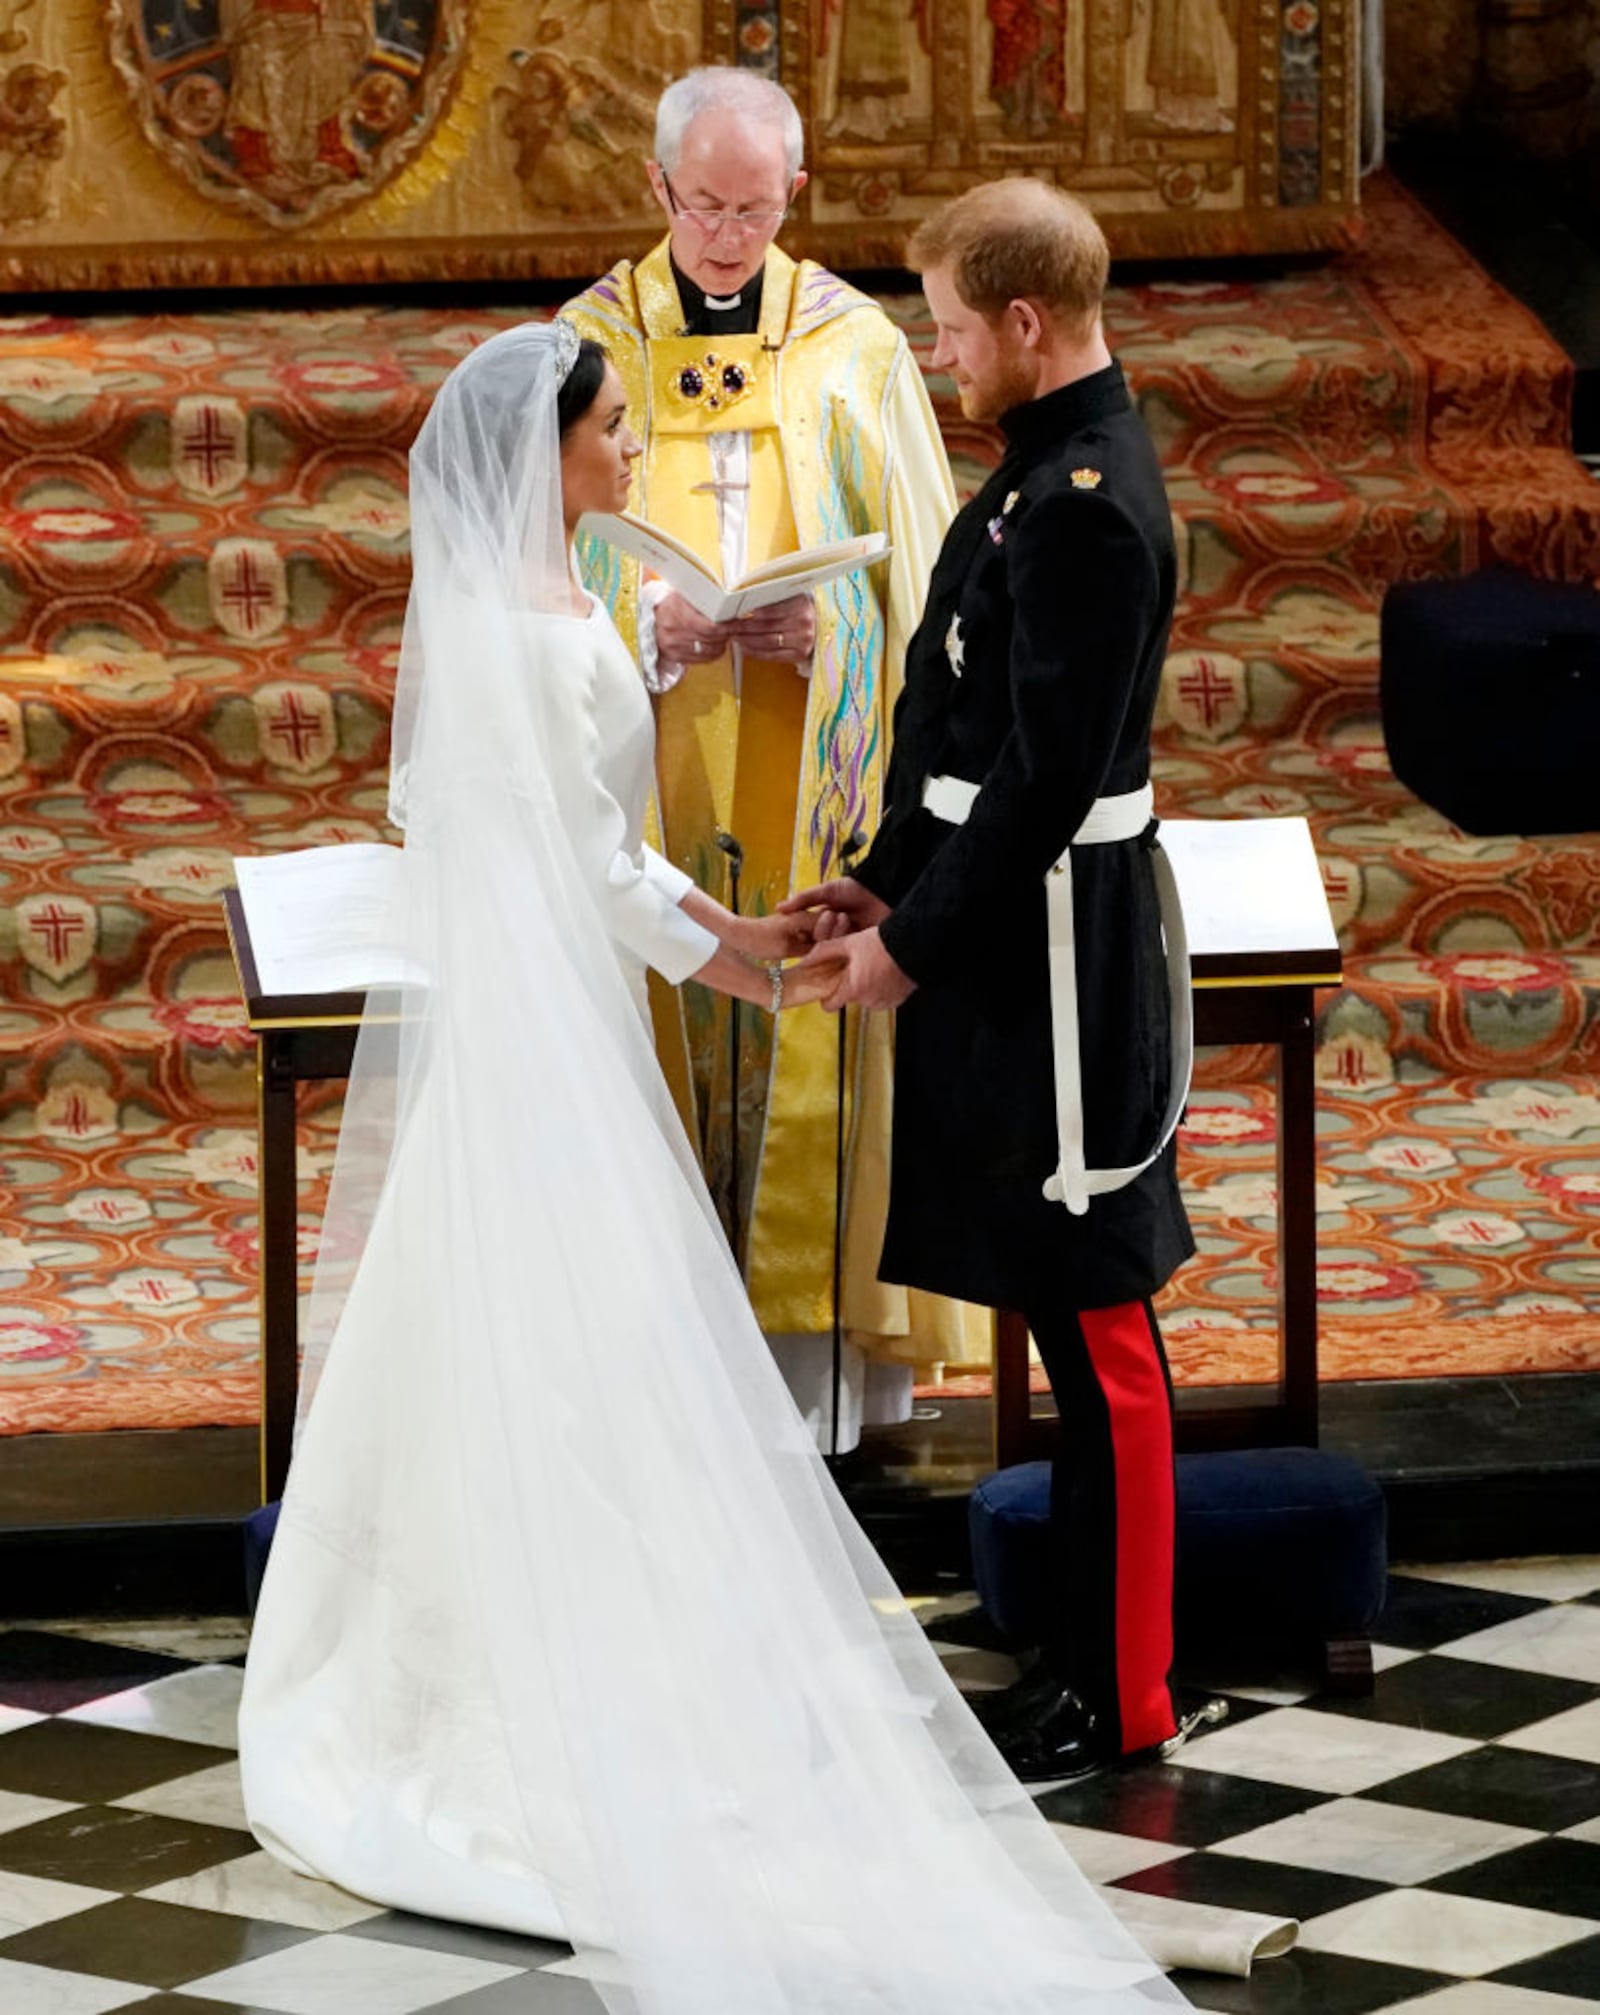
x,y
1440,1841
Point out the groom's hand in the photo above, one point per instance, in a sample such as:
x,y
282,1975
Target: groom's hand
x,y
867,976
837,908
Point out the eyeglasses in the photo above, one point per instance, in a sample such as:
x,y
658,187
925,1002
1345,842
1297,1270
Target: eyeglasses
x,y
729,223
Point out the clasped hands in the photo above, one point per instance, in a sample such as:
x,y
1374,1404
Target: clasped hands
x,y
786,631
832,930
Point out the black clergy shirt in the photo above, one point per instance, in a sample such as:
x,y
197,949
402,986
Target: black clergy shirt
x,y
700,319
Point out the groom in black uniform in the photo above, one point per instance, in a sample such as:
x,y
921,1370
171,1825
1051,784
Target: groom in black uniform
x,y
1031,1165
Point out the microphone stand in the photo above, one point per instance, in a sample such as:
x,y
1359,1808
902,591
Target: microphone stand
x,y
735,1225
847,854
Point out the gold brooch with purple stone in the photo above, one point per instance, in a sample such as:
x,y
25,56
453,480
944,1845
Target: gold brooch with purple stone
x,y
712,383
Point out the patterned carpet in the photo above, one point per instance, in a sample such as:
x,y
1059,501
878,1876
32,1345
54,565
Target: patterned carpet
x,y
1439,1841
202,572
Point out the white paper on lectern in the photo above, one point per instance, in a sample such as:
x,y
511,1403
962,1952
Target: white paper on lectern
x,y
318,918
757,588
1249,885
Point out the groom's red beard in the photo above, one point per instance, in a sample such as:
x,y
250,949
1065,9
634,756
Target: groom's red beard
x,y
1007,382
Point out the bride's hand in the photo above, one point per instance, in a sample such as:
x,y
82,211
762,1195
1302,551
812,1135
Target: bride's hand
x,y
773,938
805,984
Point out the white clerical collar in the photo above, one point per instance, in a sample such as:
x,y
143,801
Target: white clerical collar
x,y
722,307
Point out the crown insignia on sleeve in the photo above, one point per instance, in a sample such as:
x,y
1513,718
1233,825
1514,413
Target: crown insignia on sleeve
x,y
1086,479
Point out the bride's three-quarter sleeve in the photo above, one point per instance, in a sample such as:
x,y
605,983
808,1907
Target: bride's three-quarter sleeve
x,y
673,883
642,891
645,917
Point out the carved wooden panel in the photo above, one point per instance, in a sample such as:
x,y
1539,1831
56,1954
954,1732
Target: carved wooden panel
x,y
226,142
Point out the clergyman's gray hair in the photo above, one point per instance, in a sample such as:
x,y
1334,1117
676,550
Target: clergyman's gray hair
x,y
718,88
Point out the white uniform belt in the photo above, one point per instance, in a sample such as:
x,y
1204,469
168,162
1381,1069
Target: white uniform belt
x,y
1123,817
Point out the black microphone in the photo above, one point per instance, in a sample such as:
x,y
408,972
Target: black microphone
x,y
847,853
731,847
734,1223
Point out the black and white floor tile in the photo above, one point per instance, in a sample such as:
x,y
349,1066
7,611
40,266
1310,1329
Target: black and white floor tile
x,y
1439,1841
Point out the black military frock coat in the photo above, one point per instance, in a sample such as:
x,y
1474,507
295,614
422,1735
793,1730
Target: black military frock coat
x,y
1033,675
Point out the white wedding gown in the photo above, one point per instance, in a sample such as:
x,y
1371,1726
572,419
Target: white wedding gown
x,y
566,1629
339,1783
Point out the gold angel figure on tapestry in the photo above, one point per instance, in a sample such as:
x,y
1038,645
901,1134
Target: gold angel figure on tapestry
x,y
882,50
1188,63
582,129
33,137
296,65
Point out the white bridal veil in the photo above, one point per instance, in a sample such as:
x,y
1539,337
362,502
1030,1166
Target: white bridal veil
x,y
566,1628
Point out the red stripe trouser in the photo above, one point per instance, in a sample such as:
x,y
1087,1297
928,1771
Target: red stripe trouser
x,y
1112,1515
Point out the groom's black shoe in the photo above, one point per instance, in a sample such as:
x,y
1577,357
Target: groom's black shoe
x,y
1064,1739
1008,1707
1061,1739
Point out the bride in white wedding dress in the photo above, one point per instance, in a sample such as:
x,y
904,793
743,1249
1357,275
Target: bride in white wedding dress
x,y
566,1629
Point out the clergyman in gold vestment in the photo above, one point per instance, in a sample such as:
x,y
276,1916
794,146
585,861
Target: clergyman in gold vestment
x,y
779,408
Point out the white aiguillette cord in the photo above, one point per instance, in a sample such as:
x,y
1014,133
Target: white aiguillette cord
x,y
1122,817
1073,1182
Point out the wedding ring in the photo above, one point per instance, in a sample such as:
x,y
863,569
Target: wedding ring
x,y
780,640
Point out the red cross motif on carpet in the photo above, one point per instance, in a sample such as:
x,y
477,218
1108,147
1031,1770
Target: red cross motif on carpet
x,y
57,937
1341,883
209,456
249,588
1206,693
296,727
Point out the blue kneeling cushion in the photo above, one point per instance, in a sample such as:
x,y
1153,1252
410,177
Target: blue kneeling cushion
x,y
258,1530
1286,1539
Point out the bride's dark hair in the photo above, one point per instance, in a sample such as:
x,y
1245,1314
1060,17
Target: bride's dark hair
x,y
581,384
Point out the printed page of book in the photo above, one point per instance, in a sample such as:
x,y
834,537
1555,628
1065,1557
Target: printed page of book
x,y
664,555
772,581
319,918
1249,885
797,573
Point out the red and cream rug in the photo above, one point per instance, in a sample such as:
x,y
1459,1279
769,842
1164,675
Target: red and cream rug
x,y
202,574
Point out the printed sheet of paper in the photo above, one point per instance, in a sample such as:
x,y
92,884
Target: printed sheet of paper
x,y
1249,885
320,919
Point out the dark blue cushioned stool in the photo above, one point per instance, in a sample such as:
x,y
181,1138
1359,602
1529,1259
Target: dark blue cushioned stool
x,y
258,1530
1272,1542
1489,689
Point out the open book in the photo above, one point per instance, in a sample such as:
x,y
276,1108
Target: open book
x,y
773,581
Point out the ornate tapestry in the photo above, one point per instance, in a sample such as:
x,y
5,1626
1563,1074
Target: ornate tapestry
x,y
228,142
